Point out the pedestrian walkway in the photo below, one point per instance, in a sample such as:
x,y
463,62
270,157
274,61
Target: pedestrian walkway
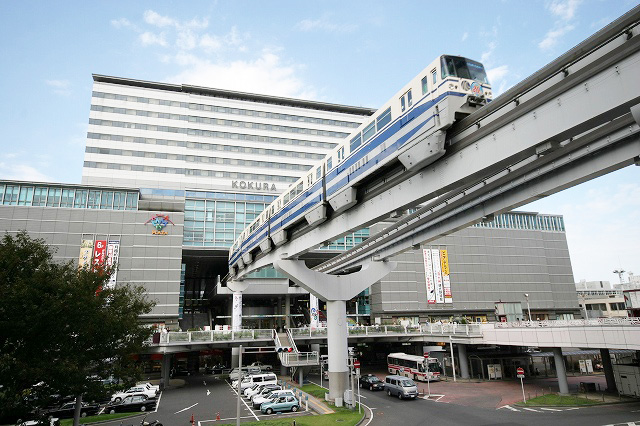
x,y
315,404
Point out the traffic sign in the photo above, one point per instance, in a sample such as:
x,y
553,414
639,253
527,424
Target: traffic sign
x,y
426,354
520,370
356,363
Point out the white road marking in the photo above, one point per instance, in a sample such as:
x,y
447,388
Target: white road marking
x,y
434,397
509,407
530,409
573,408
158,403
550,409
185,409
208,392
244,402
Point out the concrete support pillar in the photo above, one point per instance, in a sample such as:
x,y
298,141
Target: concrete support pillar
x,y
561,372
301,375
235,357
283,370
287,311
337,344
315,347
463,360
608,370
165,371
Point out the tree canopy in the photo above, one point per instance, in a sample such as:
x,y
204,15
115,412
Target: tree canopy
x,y
61,329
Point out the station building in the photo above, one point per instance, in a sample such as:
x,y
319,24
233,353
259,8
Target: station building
x,y
173,173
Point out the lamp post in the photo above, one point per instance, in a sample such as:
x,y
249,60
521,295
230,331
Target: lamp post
x,y
526,296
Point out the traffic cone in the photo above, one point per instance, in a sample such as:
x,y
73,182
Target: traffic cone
x,y
218,416
193,422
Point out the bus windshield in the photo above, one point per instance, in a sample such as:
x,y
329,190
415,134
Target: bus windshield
x,y
457,66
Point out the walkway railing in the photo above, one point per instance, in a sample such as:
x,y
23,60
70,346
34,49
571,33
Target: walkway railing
x,y
395,330
597,322
290,359
181,337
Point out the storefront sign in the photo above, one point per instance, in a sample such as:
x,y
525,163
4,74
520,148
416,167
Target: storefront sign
x,y
313,310
86,252
113,251
428,274
159,222
437,276
254,186
99,253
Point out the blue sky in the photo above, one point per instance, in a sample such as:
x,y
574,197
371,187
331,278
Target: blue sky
x,y
348,52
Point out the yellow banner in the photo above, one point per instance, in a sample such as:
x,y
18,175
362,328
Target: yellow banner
x,y
86,252
444,261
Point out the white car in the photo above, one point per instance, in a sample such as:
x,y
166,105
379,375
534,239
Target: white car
x,y
261,366
136,390
234,374
260,399
249,392
149,386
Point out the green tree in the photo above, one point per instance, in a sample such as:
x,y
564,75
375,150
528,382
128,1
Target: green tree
x,y
61,329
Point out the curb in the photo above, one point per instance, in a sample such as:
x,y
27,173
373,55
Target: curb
x,y
571,406
99,422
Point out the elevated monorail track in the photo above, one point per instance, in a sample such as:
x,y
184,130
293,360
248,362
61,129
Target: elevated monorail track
x,y
569,122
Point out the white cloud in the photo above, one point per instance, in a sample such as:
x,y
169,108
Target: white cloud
x,y
13,171
266,74
122,23
486,55
210,43
553,36
149,39
186,40
465,36
564,9
497,73
153,18
60,87
324,24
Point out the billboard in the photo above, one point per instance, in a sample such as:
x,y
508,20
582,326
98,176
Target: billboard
x,y
428,274
446,282
313,310
99,253
86,252
113,251
437,275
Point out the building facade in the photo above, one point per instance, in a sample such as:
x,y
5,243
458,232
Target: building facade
x,y
173,173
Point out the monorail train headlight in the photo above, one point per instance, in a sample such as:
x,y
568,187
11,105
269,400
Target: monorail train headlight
x,y
465,85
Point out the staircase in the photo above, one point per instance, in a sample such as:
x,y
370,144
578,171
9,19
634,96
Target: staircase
x,y
294,358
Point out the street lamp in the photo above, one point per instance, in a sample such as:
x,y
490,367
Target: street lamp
x,y
526,295
620,272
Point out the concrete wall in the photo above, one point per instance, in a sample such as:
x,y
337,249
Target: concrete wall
x,y
152,261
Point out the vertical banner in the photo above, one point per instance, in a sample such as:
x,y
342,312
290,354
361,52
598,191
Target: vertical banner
x,y
428,274
313,310
437,275
86,250
236,311
113,251
99,252
446,282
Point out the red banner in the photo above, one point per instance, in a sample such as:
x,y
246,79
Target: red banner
x,y
99,253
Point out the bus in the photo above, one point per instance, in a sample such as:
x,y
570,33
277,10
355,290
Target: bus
x,y
414,366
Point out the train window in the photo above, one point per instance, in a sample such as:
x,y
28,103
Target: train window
x,y
341,154
329,163
425,87
310,179
318,172
286,198
434,76
402,105
355,142
384,119
369,131
409,98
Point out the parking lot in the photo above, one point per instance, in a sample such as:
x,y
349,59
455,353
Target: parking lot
x,y
205,397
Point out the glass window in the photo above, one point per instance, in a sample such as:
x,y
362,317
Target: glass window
x,y
107,200
425,87
118,200
26,196
132,201
53,197
340,154
409,99
434,76
355,142
384,119
329,163
402,104
94,200
40,196
80,200
319,172
67,198
369,131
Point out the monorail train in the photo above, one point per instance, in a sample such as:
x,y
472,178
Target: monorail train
x,y
409,128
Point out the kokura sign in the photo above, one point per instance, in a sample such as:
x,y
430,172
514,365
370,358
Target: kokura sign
x,y
255,186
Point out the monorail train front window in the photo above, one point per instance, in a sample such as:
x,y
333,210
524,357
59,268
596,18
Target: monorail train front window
x,y
456,66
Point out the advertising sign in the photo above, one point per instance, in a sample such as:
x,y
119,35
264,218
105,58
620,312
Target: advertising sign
x,y
313,310
236,311
446,282
86,250
113,251
437,275
99,254
428,273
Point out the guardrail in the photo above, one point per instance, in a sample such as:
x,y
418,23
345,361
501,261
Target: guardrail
x,y
453,329
291,359
597,322
181,337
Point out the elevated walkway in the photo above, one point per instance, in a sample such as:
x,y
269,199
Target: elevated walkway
x,y
294,358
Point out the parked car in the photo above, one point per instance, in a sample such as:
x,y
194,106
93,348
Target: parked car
x,y
216,369
132,403
371,382
266,389
149,386
400,386
259,400
261,366
53,421
279,404
119,396
249,392
235,373
66,410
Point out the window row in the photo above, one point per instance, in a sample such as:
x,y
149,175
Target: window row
x,y
225,110
220,122
43,196
213,146
197,159
525,221
198,132
368,132
226,196
226,206
189,172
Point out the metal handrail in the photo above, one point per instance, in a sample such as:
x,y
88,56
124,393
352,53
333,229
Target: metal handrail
x,y
214,335
596,322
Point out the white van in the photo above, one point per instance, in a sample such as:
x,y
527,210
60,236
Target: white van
x,y
260,379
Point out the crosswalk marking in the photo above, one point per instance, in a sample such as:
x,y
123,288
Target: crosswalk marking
x,y
546,410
